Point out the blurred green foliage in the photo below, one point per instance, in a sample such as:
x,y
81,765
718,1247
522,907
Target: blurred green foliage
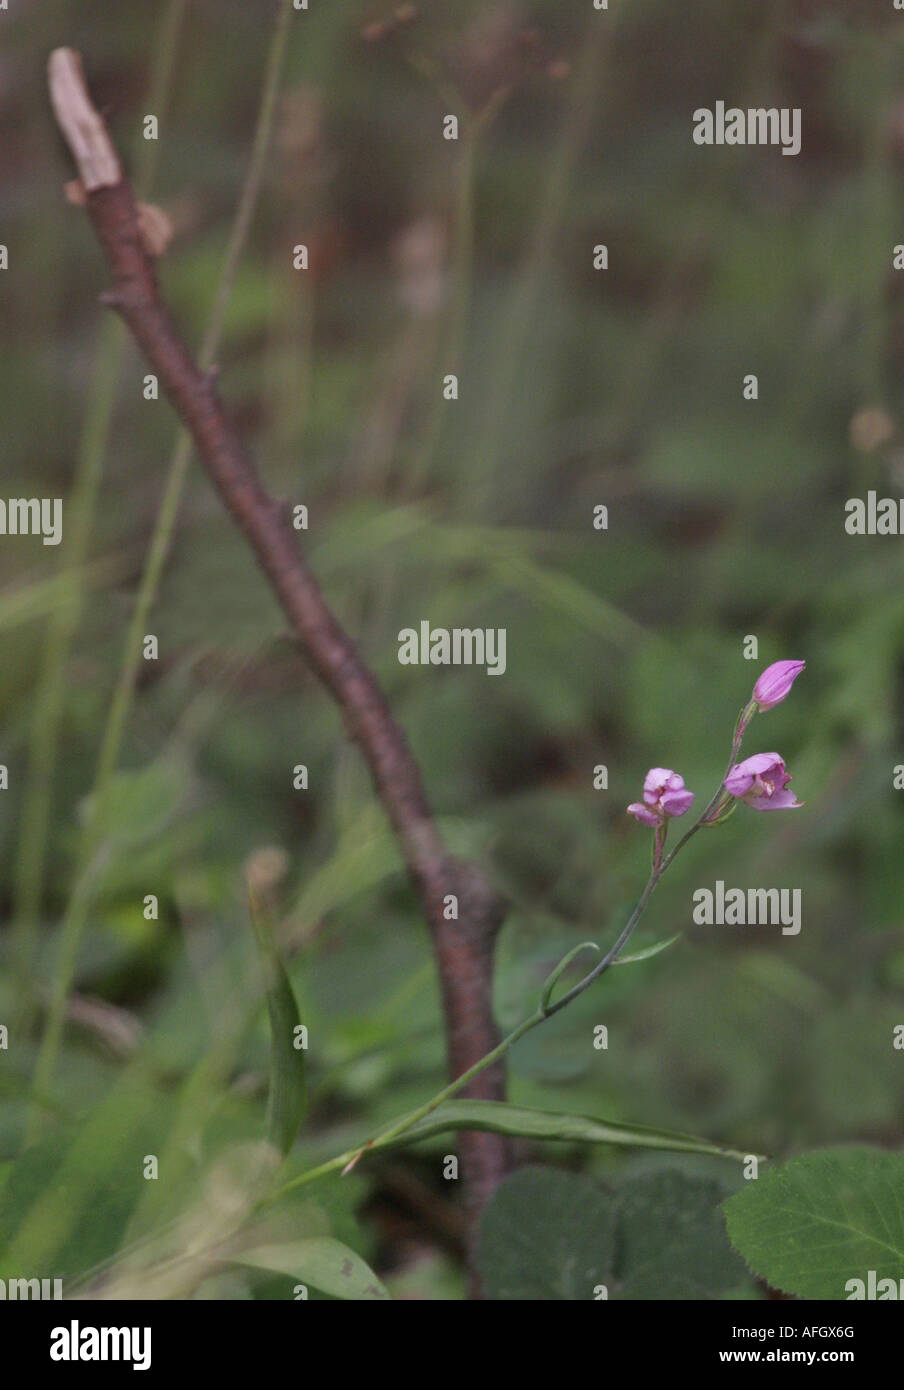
x,y
624,647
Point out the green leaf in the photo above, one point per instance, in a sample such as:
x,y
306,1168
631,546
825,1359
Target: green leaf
x,y
138,805
671,1239
554,975
66,1202
287,1095
322,1262
547,1235
499,1118
649,951
818,1221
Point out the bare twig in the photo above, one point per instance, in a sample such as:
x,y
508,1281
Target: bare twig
x,y
81,123
463,947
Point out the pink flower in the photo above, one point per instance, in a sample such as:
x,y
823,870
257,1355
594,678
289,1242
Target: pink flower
x,y
775,682
762,781
664,794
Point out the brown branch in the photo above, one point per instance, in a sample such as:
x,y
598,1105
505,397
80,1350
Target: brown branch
x,y
463,948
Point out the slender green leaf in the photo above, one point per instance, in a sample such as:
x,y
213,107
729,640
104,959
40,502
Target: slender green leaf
x,y
499,1118
286,1101
554,975
649,951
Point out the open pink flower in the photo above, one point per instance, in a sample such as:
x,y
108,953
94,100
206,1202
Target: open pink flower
x,y
762,781
775,682
664,794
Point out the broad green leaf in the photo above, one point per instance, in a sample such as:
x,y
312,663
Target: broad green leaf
x,y
820,1220
287,1095
500,1118
547,1235
322,1262
671,1239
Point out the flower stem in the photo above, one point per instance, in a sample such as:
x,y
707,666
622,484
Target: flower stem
x,y
387,1137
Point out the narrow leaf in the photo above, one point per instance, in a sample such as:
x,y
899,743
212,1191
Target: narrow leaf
x,y
648,951
499,1118
554,975
286,1100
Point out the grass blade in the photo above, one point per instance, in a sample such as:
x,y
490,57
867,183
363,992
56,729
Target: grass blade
x,y
524,1122
287,1096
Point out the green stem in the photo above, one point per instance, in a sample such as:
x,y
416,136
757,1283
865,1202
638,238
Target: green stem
x,y
744,719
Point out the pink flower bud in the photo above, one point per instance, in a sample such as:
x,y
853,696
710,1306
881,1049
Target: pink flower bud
x,y
762,781
664,794
775,682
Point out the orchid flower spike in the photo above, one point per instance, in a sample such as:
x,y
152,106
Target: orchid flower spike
x,y
776,682
762,781
664,794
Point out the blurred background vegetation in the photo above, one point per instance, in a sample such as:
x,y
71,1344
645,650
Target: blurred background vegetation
x,y
625,647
